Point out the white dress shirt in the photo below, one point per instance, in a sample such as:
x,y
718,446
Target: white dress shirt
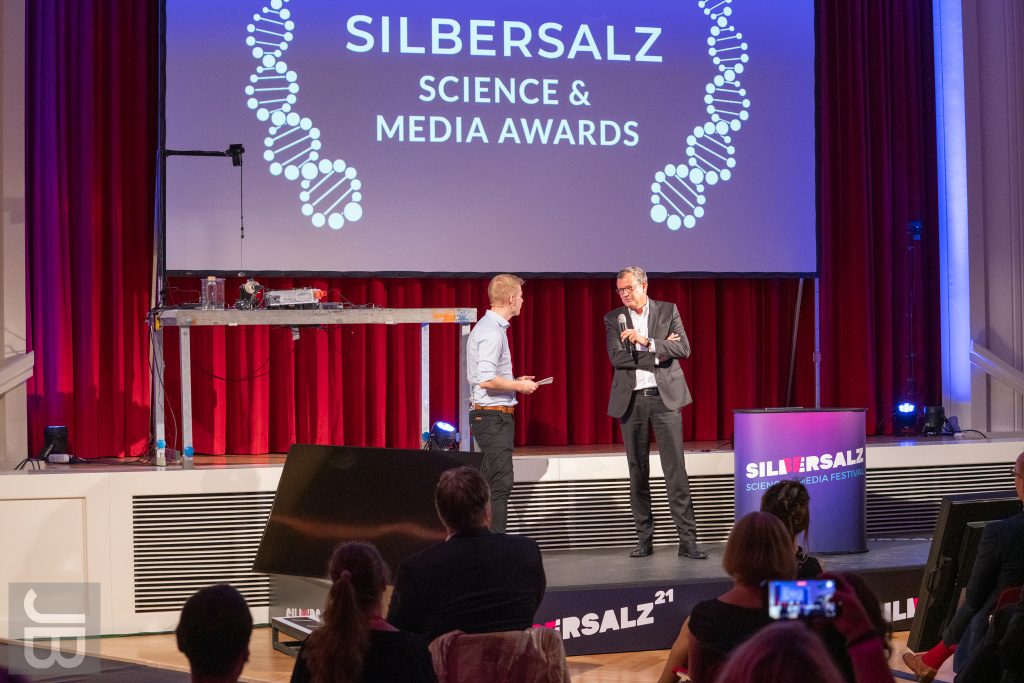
x,y
644,378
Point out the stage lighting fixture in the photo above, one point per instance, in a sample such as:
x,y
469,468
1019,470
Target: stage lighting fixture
x,y
441,437
906,417
934,420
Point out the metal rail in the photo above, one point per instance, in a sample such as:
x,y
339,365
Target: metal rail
x,y
185,319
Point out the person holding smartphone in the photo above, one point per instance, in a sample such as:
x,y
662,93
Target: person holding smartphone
x,y
759,549
838,611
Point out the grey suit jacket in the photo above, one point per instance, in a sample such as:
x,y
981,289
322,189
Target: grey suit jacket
x,y
668,374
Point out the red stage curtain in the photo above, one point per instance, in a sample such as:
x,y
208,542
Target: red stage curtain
x,y
359,385
91,150
878,172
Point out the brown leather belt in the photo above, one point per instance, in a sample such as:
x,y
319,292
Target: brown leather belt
x,y
504,409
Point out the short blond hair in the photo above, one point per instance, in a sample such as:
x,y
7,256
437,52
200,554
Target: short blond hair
x,y
759,549
502,288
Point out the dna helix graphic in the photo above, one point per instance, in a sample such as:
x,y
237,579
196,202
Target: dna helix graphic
x,y
330,189
678,193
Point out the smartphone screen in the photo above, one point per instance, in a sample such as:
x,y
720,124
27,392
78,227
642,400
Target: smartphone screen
x,y
800,599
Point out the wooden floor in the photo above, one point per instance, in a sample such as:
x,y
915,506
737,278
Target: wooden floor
x,y
267,665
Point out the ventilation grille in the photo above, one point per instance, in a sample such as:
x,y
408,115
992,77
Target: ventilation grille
x,y
905,500
901,501
183,543
595,514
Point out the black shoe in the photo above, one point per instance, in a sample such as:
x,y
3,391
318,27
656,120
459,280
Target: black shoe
x,y
643,549
689,549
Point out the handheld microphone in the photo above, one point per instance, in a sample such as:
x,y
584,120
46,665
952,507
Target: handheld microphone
x,y
622,328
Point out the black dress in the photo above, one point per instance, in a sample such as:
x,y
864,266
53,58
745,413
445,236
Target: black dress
x,y
720,627
807,567
393,656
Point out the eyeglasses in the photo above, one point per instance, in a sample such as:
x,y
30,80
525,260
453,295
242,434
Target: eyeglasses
x,y
626,290
1017,474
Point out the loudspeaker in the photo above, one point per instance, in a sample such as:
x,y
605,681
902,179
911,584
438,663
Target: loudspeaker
x,y
57,437
934,420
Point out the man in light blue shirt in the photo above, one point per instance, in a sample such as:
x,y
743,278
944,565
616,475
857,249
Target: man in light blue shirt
x,y
489,367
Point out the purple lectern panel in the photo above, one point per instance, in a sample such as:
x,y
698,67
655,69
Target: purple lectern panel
x,y
822,448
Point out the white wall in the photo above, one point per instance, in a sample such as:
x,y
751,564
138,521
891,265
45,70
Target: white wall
x,y
979,80
13,415
993,37
78,526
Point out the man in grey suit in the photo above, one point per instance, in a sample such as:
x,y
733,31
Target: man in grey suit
x,y
645,340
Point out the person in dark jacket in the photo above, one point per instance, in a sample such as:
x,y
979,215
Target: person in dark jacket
x,y
645,341
476,581
999,565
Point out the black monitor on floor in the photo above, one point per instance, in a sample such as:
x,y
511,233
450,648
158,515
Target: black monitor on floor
x,y
331,494
958,531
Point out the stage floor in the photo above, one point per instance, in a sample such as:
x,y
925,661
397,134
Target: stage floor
x,y
604,601
607,567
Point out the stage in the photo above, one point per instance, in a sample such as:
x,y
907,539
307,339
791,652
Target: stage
x,y
151,536
605,601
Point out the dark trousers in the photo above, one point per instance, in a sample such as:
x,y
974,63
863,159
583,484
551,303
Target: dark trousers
x,y
494,433
966,632
645,413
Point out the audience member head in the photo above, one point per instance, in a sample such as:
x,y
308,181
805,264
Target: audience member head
x,y
786,652
759,549
463,499
336,650
789,501
214,633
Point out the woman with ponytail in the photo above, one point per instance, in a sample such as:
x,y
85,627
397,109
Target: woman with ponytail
x,y
354,644
789,501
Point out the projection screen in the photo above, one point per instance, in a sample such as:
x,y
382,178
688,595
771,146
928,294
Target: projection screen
x,y
530,137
